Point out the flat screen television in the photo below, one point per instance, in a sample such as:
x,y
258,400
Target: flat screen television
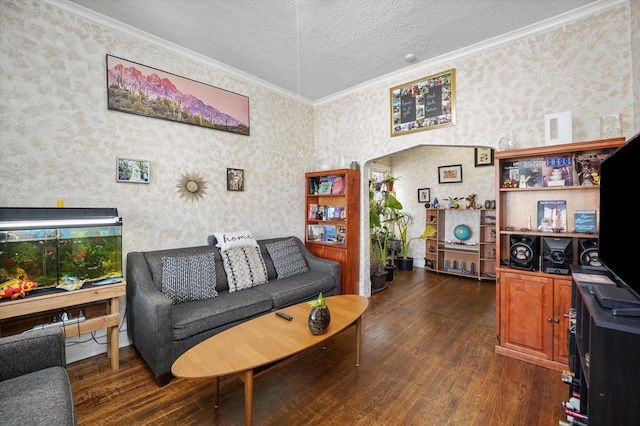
x,y
619,231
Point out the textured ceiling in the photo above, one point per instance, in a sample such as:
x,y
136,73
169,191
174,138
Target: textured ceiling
x,y
317,48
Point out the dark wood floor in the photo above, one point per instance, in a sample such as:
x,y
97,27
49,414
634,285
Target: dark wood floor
x,y
427,359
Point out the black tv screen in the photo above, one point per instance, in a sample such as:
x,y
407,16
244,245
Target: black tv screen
x,y
619,232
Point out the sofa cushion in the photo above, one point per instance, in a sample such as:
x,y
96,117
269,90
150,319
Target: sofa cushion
x,y
188,278
227,240
244,266
297,289
287,258
201,316
42,397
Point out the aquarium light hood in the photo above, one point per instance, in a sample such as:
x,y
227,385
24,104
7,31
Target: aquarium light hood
x,y
23,218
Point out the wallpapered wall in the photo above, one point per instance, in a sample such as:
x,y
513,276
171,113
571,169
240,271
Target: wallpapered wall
x,y
59,141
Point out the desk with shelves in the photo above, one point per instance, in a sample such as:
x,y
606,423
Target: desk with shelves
x,y
109,293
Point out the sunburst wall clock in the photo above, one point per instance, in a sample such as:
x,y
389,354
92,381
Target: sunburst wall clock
x,y
192,186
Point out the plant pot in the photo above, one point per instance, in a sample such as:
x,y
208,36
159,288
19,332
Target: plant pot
x,y
404,264
319,319
378,280
390,273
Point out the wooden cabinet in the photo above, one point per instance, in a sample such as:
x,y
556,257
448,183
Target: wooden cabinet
x,y
476,257
332,221
534,261
605,361
534,318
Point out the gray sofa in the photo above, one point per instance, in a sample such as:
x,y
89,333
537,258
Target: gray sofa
x,y
161,331
34,385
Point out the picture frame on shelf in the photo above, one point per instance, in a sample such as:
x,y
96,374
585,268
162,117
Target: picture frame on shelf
x,y
424,195
450,174
483,156
424,104
235,179
133,171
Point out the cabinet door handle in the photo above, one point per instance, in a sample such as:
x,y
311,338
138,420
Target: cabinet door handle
x,y
549,320
556,320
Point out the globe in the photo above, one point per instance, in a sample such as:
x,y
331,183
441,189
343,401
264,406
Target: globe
x,y
462,232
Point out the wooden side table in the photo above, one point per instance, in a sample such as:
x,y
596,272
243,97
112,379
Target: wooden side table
x,y
110,321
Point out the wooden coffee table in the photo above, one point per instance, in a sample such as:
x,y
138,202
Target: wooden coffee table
x,y
264,340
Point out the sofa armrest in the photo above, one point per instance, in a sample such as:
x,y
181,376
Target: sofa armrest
x,y
318,264
149,316
31,351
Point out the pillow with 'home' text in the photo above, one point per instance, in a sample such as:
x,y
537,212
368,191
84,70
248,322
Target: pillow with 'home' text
x,y
227,240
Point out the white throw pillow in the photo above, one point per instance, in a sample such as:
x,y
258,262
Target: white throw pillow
x,y
227,240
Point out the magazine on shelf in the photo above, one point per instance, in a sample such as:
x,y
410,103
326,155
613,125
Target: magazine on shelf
x,y
338,184
557,170
585,221
330,234
510,174
530,172
587,167
325,187
552,216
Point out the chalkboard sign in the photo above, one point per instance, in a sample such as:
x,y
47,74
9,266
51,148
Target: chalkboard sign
x,y
423,104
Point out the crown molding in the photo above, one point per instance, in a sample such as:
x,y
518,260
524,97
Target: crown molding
x,y
551,23
447,58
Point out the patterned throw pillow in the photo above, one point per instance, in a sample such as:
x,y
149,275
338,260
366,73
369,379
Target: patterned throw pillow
x,y
287,258
244,266
189,278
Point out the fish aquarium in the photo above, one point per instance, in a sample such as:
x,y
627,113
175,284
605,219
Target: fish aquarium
x,y
59,248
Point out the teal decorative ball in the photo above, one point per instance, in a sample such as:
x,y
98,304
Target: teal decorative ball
x,y
462,232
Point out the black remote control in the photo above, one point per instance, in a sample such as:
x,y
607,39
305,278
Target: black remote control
x,y
283,315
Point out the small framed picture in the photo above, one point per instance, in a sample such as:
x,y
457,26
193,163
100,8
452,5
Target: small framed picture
x,y
235,180
450,174
483,157
134,171
424,195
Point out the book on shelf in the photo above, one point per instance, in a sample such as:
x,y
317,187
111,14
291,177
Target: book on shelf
x,y
510,174
530,172
583,278
552,216
557,170
313,211
585,221
587,167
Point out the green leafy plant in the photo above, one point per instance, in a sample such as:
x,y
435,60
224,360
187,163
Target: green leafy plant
x,y
318,303
381,216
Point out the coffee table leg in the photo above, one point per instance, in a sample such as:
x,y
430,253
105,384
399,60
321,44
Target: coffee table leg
x,y
216,392
358,336
248,396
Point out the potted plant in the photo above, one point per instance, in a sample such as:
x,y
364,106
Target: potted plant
x,y
404,220
388,181
380,214
319,317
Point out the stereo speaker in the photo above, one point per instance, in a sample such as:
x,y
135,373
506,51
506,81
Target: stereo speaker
x,y
588,252
524,252
557,255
